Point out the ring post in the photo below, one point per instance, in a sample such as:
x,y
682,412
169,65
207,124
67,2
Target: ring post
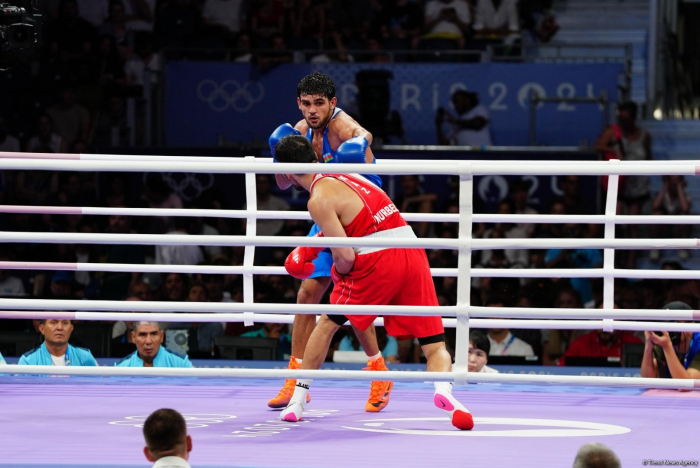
x,y
609,254
464,263
249,252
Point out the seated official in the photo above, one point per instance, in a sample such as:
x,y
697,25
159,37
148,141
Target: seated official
x,y
674,355
2,360
167,442
148,338
55,351
479,349
599,344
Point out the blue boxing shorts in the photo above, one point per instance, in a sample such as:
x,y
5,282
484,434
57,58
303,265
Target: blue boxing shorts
x,y
324,261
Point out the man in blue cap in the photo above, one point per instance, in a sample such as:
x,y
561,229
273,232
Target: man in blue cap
x,y
148,338
55,350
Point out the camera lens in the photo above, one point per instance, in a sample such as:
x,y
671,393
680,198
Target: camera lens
x,y
20,35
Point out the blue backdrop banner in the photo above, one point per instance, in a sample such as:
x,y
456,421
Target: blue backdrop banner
x,y
208,102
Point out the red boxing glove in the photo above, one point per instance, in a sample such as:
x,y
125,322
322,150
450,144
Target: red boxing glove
x,y
299,263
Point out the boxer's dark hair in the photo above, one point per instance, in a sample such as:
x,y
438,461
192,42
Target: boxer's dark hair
x,y
480,341
295,149
316,84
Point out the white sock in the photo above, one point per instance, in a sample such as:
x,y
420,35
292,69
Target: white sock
x,y
443,387
375,357
297,360
300,391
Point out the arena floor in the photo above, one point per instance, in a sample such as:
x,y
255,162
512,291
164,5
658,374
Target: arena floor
x,y
81,422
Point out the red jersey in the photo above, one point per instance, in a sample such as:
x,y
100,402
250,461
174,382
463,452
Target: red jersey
x,y
379,213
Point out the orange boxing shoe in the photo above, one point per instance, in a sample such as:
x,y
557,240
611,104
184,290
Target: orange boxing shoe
x,y
380,391
285,395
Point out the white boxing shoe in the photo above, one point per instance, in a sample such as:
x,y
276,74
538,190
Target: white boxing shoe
x,y
292,412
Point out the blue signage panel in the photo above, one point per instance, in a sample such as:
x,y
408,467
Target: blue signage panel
x,y
208,102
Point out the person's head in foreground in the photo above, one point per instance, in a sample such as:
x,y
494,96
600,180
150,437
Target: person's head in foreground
x,y
479,348
596,455
165,432
296,149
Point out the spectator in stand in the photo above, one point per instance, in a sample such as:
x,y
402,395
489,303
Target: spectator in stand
x,y
115,285
447,19
671,201
140,14
141,290
167,441
7,142
71,120
595,455
470,127
144,59
69,36
479,349
497,18
244,48
308,19
268,202
225,15
674,355
111,128
502,341
267,17
93,11
277,331
177,23
9,285
148,337
599,344
55,351
173,288
520,192
401,20
158,194
556,342
628,142
553,230
414,199
574,201
115,25
279,53
508,258
46,141
578,258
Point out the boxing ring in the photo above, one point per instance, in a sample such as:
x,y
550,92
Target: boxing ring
x,y
93,418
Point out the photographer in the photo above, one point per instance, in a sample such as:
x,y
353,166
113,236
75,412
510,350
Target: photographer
x,y
674,355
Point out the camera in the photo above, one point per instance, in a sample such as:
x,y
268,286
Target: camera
x,y
19,30
675,337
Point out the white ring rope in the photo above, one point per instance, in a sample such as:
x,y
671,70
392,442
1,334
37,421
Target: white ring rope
x,y
304,215
591,168
296,241
471,377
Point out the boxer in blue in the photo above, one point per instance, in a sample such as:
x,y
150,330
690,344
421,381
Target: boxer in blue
x,y
336,138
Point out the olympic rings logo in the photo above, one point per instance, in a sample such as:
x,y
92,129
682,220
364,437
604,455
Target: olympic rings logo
x,y
193,420
230,93
186,185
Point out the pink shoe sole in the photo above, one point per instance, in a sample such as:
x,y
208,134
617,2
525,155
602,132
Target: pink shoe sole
x,y
291,417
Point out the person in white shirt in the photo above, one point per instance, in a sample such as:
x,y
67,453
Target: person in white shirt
x,y
496,17
167,443
502,341
479,348
470,126
224,14
180,254
447,18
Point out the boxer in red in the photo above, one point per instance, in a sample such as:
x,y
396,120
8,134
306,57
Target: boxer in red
x,y
352,206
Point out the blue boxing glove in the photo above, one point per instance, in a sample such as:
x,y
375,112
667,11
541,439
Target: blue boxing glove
x,y
282,131
352,151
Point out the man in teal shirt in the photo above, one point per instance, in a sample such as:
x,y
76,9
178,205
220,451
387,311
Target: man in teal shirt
x,y
148,338
55,350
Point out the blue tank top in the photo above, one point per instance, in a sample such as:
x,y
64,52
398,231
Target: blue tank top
x,y
329,154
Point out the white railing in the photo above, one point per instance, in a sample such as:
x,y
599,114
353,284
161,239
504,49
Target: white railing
x,y
461,316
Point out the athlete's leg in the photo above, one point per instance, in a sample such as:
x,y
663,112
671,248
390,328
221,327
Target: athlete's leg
x,y
310,292
316,351
439,360
368,340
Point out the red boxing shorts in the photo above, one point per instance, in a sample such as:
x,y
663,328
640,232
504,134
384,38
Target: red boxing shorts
x,y
391,277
